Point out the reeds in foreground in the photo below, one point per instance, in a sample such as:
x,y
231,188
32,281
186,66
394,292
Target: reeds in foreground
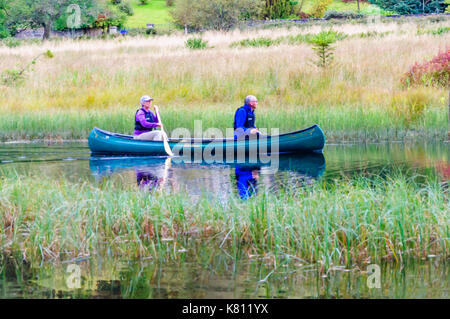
x,y
347,222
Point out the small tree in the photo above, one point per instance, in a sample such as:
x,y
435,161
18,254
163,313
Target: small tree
x,y
322,45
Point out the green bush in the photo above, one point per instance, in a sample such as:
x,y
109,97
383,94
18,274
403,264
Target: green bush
x,y
11,42
196,43
126,8
150,31
333,14
256,42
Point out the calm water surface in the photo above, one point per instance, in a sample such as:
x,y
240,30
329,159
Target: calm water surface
x,y
216,275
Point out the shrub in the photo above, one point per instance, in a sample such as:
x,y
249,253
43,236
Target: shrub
x,y
126,8
143,2
303,15
333,14
11,42
150,31
116,2
170,3
431,73
196,43
256,42
320,7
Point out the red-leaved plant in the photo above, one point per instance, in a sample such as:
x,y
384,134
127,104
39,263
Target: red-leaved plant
x,y
431,73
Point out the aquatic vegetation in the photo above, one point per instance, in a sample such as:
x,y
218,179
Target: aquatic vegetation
x,y
346,222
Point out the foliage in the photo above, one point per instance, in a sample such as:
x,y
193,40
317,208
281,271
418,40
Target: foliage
x,y
412,6
11,42
143,2
256,42
320,7
322,45
50,14
196,43
17,76
278,9
432,73
333,14
126,8
214,14
438,31
410,105
170,3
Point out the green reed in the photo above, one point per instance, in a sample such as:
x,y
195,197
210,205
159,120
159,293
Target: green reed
x,y
342,222
339,123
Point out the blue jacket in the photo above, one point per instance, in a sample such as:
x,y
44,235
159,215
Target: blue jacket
x,y
244,118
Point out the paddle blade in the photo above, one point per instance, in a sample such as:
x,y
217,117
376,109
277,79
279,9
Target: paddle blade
x,y
167,148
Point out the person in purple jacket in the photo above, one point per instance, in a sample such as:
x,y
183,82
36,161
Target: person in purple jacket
x,y
145,122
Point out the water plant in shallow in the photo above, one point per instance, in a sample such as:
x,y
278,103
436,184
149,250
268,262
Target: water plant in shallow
x,y
346,222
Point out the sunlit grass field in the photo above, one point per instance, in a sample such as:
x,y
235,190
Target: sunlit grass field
x,y
99,82
156,11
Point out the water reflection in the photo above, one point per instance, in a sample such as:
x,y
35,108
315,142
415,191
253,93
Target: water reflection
x,y
211,274
246,179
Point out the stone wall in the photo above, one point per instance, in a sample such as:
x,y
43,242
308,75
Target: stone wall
x,y
39,33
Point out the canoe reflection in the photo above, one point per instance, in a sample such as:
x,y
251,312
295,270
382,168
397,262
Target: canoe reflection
x,y
222,179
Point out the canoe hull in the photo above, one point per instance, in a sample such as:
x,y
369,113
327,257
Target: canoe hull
x,y
308,140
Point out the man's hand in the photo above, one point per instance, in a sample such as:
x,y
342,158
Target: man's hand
x,y
254,131
160,125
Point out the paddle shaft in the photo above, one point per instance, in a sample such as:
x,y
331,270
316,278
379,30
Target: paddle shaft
x,y
166,143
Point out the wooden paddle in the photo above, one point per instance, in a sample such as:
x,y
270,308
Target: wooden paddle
x,y
166,143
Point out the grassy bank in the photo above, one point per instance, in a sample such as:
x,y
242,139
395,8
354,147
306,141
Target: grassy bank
x,y
340,124
346,222
360,96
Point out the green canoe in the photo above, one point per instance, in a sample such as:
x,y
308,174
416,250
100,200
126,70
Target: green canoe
x,y
307,140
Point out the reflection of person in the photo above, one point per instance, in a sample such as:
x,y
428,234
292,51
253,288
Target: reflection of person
x,y
146,180
151,178
244,118
146,121
246,181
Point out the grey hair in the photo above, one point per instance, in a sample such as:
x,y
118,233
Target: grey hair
x,y
249,98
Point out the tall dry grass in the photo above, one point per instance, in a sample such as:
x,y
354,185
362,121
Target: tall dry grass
x,y
110,75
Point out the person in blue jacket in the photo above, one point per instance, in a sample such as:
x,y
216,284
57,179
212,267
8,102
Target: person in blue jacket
x,y
244,118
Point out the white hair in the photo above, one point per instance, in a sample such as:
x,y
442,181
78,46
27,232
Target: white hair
x,y
249,98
